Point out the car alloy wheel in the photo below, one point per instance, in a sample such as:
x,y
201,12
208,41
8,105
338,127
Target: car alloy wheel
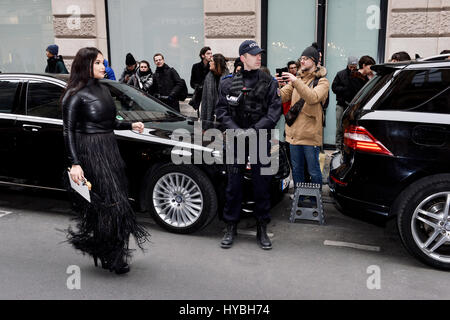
x,y
430,226
423,220
178,200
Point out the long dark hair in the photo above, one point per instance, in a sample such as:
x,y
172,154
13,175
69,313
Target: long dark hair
x,y
220,64
81,70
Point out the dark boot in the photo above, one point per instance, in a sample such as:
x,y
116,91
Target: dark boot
x,y
262,237
230,234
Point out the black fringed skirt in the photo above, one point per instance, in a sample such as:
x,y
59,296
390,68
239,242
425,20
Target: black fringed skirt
x,y
104,226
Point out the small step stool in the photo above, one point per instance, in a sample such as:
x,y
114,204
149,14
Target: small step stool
x,y
303,213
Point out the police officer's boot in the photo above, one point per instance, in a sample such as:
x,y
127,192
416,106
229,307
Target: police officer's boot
x,y
262,237
230,234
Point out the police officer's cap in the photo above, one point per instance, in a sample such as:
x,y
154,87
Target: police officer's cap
x,y
251,47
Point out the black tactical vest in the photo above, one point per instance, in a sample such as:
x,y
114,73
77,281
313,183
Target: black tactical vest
x,y
248,105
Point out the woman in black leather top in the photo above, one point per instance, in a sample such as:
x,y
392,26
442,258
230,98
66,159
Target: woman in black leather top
x,y
89,114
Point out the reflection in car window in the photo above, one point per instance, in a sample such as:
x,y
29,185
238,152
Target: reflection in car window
x,y
371,89
367,93
8,90
419,91
133,105
43,100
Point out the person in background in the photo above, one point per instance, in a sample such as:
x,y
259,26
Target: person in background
x,y
365,68
55,63
198,75
218,70
167,83
343,91
131,68
143,78
105,224
110,75
238,66
400,56
292,67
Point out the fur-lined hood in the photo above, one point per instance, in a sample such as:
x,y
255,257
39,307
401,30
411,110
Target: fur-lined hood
x,y
307,129
321,72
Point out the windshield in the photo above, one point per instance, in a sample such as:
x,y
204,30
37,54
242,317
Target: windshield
x,y
134,105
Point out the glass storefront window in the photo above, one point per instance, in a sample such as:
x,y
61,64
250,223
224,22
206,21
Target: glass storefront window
x,y
291,28
145,27
26,29
352,30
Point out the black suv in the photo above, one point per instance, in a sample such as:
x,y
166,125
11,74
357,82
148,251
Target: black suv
x,y
181,198
396,157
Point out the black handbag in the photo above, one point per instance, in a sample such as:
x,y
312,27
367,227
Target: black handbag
x,y
196,98
293,112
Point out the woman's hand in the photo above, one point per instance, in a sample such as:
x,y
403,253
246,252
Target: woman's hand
x,y
77,174
138,126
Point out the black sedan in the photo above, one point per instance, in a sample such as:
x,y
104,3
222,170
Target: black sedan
x,y
181,198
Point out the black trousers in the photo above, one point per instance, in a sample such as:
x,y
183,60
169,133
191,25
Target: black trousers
x,y
261,190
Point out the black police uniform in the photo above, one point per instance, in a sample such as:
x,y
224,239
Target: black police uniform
x,y
258,108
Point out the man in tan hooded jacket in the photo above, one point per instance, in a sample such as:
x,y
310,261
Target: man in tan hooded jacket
x,y
305,136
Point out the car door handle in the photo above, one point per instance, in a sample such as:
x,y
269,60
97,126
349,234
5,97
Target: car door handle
x,y
31,128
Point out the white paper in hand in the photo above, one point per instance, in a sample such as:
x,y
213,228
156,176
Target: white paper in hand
x,y
82,189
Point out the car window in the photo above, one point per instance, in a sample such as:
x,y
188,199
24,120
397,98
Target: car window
x,y
419,91
43,100
371,89
134,105
8,95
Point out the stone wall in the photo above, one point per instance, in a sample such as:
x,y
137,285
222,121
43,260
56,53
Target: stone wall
x,y
418,26
78,24
228,23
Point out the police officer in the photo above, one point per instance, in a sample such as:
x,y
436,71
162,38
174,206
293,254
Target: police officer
x,y
249,102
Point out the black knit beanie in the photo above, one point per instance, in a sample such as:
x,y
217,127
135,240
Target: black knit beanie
x,y
312,52
130,61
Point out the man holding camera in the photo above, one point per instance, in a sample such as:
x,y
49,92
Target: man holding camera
x,y
249,101
304,129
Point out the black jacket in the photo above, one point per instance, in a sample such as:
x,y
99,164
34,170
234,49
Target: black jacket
x,y
251,78
342,87
141,82
198,74
167,86
55,64
127,74
90,110
357,82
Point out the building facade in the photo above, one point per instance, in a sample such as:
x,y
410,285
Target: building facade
x,y
179,29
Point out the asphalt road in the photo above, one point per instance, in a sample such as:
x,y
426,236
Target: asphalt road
x,y
35,260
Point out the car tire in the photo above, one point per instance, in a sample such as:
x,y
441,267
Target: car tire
x,y
181,199
421,210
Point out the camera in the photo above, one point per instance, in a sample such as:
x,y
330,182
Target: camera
x,y
281,70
